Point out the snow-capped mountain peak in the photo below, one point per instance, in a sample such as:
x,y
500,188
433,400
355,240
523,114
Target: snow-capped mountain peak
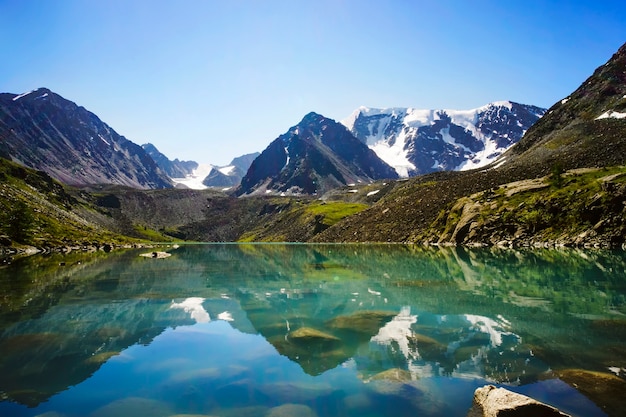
x,y
417,141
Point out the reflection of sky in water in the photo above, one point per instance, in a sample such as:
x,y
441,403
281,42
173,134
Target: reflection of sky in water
x,y
193,306
211,366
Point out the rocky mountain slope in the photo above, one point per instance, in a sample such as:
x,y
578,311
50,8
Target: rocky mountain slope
x,y
42,130
587,128
175,168
554,201
314,156
564,183
418,142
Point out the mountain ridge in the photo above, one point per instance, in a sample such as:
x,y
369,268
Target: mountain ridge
x,y
231,174
173,168
417,141
42,130
561,184
312,157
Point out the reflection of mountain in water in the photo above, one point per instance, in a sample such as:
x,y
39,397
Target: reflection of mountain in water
x,y
426,312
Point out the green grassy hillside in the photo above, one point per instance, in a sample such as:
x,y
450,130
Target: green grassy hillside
x,y
37,211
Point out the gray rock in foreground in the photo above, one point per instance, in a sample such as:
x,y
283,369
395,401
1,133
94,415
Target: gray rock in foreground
x,y
490,401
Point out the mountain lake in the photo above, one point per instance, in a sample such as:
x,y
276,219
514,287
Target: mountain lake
x,y
310,330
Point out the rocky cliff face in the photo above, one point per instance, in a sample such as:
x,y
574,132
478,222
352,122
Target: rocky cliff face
x,y
418,142
42,130
314,156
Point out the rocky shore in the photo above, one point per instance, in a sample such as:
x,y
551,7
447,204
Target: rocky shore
x,y
8,250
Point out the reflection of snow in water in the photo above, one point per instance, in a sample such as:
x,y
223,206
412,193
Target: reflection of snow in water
x,y
193,305
396,336
398,331
490,327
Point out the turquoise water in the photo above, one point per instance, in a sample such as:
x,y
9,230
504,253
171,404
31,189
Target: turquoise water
x,y
310,330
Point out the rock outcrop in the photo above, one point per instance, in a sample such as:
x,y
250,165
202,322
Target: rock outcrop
x,y
490,401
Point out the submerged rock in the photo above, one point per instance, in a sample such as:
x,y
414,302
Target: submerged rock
x,y
296,392
429,348
605,389
368,322
291,410
358,401
134,406
392,375
189,415
251,411
100,358
308,334
490,401
314,355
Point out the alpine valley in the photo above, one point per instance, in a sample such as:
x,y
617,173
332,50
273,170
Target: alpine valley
x,y
504,174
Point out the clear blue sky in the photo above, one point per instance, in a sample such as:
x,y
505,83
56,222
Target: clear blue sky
x,y
209,80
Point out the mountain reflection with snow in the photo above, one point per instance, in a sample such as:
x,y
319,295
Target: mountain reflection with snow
x,y
329,330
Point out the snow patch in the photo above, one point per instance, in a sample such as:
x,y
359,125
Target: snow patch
x,y
481,158
373,192
103,139
611,114
19,96
499,164
287,153
194,180
395,156
565,100
504,103
447,137
228,170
